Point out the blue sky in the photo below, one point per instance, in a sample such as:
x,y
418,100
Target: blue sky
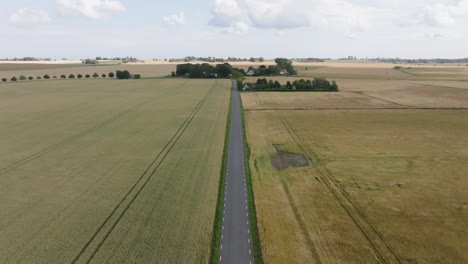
x,y
242,28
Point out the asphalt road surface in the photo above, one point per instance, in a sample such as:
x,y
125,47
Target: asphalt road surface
x,y
236,241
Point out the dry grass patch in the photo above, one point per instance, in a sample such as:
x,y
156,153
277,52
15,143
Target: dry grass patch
x,y
383,185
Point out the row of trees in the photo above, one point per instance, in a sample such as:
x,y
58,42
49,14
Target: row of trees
x,y
273,70
317,84
207,70
119,74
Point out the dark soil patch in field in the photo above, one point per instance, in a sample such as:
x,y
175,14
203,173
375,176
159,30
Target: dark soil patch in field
x,y
283,160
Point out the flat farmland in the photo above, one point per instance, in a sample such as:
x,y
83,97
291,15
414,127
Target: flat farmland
x,y
95,171
383,184
361,93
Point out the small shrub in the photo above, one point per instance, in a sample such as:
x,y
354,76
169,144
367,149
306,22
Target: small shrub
x,y
87,76
55,77
104,75
71,76
137,76
4,79
47,77
111,75
79,76
95,75
22,78
14,79
30,78
39,78
63,76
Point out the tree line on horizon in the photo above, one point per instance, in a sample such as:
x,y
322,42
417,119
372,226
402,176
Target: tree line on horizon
x,y
122,75
206,70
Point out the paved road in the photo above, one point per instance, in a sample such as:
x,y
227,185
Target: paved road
x,y
236,242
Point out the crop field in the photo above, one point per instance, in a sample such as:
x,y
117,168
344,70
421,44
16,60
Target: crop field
x,y
373,94
34,70
375,173
385,71
108,171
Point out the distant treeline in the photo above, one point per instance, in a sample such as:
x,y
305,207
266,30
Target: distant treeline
x,y
118,59
214,59
317,84
207,70
119,75
225,70
311,59
26,59
420,61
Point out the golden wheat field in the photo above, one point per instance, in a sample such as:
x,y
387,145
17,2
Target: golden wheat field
x,y
375,173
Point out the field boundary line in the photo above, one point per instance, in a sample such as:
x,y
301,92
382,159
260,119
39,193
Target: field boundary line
x,y
381,99
383,251
161,156
255,235
358,108
433,85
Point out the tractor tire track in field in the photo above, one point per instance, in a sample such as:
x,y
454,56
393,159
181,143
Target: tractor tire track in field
x,y
380,247
68,140
88,252
71,139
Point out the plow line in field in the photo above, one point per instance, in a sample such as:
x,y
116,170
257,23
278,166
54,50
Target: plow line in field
x,y
93,245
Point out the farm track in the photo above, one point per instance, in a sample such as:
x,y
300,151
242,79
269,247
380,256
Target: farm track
x,y
380,247
301,222
381,99
433,85
93,245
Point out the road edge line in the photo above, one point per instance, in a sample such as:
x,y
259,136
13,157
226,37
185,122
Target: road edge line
x,y
256,245
218,222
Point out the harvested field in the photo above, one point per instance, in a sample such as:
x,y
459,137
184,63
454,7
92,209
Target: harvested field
x,y
386,177
110,171
383,185
365,94
154,70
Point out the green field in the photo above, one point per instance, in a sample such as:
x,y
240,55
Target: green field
x,y
110,171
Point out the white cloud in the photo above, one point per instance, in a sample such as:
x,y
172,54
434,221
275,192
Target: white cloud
x,y
439,14
278,14
29,17
175,20
228,15
326,14
237,28
92,8
225,12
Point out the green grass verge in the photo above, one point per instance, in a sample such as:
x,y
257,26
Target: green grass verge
x,y
218,222
257,249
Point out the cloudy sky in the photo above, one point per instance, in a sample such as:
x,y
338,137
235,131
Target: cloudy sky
x,y
240,28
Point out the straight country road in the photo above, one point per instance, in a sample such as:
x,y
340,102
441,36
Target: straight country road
x,y
236,239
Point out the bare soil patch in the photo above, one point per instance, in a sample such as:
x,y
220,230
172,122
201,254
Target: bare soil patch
x,y
283,160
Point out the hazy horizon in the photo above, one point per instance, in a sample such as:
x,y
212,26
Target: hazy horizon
x,y
77,29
